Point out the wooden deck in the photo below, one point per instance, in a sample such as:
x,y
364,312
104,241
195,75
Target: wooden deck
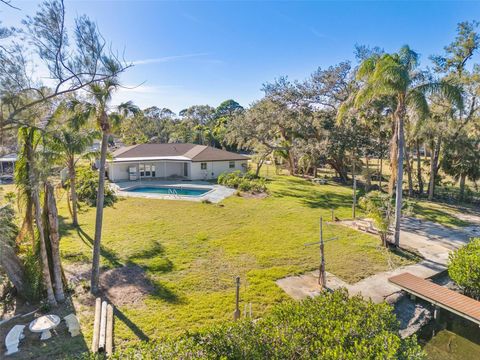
x,y
450,300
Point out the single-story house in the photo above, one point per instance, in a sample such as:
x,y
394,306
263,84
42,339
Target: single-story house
x,y
7,164
172,161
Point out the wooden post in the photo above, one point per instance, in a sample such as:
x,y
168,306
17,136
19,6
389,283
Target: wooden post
x,y
236,313
322,278
109,339
322,274
96,326
103,327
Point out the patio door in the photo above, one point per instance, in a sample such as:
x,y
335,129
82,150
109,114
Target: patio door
x,y
146,170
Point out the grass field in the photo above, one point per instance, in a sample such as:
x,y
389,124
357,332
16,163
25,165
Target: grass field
x,y
191,252
447,345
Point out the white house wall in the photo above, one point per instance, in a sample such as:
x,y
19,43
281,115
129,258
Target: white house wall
x,y
119,171
215,168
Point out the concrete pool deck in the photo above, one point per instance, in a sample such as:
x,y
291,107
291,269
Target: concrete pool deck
x,y
215,194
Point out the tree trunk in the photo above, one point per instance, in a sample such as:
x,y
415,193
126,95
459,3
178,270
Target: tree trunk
x,y
399,113
47,280
380,175
73,191
419,169
433,169
368,182
462,187
408,168
13,267
54,235
259,165
393,159
99,215
291,162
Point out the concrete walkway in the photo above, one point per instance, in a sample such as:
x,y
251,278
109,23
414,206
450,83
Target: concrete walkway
x,y
434,242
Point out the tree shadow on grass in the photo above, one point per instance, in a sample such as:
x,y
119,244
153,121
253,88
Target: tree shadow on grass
x,y
152,259
65,226
316,198
131,325
106,253
434,215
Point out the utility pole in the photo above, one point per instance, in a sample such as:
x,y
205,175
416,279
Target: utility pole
x,y
322,274
236,313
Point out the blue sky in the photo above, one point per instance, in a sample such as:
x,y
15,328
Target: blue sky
x,y
201,52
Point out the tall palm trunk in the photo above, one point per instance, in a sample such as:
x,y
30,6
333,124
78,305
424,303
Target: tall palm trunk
x,y
462,186
380,173
47,279
399,114
433,168
408,168
393,158
73,191
54,235
419,168
35,195
13,267
368,182
99,215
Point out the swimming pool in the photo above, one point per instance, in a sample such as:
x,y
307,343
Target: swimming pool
x,y
169,190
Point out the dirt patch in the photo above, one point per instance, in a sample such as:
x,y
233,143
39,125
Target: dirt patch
x,y
253,196
126,285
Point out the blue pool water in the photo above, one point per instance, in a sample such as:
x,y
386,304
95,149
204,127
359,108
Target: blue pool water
x,y
165,191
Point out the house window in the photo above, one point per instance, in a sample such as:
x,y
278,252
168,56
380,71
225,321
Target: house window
x,y
203,166
231,164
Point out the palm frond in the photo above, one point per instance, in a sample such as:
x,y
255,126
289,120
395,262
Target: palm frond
x,y
408,57
445,90
366,68
417,101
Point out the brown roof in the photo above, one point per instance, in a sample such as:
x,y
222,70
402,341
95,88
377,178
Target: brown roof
x,y
190,151
439,295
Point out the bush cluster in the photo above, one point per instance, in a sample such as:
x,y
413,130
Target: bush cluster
x,y
87,185
464,268
247,182
331,326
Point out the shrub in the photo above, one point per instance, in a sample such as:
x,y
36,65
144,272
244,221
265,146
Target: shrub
x,y
378,206
330,326
87,185
247,182
464,268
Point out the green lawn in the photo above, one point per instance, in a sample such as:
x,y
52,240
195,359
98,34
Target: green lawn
x,y
447,345
191,252
440,213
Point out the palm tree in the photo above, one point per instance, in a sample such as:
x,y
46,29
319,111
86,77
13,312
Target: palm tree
x,y
28,179
69,145
106,121
394,75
